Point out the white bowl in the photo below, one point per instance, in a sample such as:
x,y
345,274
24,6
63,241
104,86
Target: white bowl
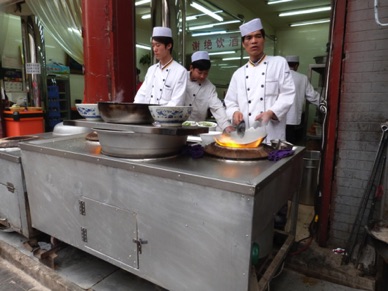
x,y
89,111
208,138
170,115
211,125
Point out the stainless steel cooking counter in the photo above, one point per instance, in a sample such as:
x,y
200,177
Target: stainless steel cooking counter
x,y
179,222
234,175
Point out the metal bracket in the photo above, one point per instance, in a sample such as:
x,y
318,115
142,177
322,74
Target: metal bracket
x,y
139,242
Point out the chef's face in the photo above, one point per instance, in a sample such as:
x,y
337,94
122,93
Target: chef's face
x,y
254,44
161,51
198,75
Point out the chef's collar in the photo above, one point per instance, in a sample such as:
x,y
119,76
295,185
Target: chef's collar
x,y
258,62
166,65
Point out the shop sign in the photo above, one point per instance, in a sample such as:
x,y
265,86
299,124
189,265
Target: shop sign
x,y
216,43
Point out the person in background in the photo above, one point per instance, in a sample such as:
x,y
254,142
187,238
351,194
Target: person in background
x,y
164,82
304,91
201,94
263,88
138,82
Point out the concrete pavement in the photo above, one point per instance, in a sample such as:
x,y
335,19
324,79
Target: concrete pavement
x,y
77,270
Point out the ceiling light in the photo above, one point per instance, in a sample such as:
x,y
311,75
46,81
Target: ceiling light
x,y
206,11
141,2
213,24
146,16
234,58
305,11
222,53
309,22
144,47
209,33
278,1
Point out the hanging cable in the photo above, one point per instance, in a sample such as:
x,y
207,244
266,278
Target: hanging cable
x,y
376,6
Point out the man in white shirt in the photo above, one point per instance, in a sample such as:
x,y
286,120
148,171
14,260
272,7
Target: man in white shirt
x,y
165,82
201,94
263,88
304,91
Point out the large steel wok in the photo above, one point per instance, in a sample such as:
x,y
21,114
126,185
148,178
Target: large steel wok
x,y
123,112
130,144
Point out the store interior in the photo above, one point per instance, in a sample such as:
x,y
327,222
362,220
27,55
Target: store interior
x,y
215,29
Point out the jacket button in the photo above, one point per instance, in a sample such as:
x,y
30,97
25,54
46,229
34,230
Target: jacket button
x,y
248,89
262,86
246,77
249,114
249,101
261,99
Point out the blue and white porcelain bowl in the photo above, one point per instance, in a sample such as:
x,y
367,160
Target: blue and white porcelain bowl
x,y
170,115
88,111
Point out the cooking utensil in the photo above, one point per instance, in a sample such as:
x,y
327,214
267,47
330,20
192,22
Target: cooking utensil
x,y
240,129
130,144
123,112
251,134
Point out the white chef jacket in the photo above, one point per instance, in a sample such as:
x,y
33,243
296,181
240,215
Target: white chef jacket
x,y
255,89
203,97
165,86
303,90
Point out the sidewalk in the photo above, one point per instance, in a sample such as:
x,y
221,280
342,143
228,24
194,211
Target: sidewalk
x,y
77,270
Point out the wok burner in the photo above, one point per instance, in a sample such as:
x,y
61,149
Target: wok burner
x,y
13,141
217,150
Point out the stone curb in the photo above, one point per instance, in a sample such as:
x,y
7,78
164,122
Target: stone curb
x,y
41,273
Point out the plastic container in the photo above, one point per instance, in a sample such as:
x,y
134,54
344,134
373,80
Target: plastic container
x,y
23,123
311,161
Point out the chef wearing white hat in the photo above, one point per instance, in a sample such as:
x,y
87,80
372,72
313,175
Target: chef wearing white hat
x,y
263,88
164,82
304,91
201,94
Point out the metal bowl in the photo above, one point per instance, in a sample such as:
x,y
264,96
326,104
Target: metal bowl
x,y
129,144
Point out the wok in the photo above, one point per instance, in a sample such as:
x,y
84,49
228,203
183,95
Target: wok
x,y
122,112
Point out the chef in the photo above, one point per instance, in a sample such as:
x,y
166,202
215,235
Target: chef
x,y
304,91
165,82
263,88
201,94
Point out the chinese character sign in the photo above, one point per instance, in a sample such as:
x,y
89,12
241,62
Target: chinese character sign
x,y
216,43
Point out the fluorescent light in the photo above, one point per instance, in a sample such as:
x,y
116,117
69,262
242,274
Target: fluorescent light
x,y
144,47
213,32
309,22
222,53
278,1
141,2
234,58
206,11
146,16
305,11
212,25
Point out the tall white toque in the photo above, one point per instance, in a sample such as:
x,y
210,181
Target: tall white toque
x,y
250,26
200,55
292,59
161,31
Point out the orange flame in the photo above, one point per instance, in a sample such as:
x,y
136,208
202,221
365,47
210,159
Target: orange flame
x,y
226,141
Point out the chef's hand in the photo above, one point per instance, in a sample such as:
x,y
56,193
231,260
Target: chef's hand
x,y
229,129
237,117
266,116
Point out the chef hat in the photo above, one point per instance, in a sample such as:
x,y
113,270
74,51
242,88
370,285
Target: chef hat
x,y
161,31
250,26
200,55
292,59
